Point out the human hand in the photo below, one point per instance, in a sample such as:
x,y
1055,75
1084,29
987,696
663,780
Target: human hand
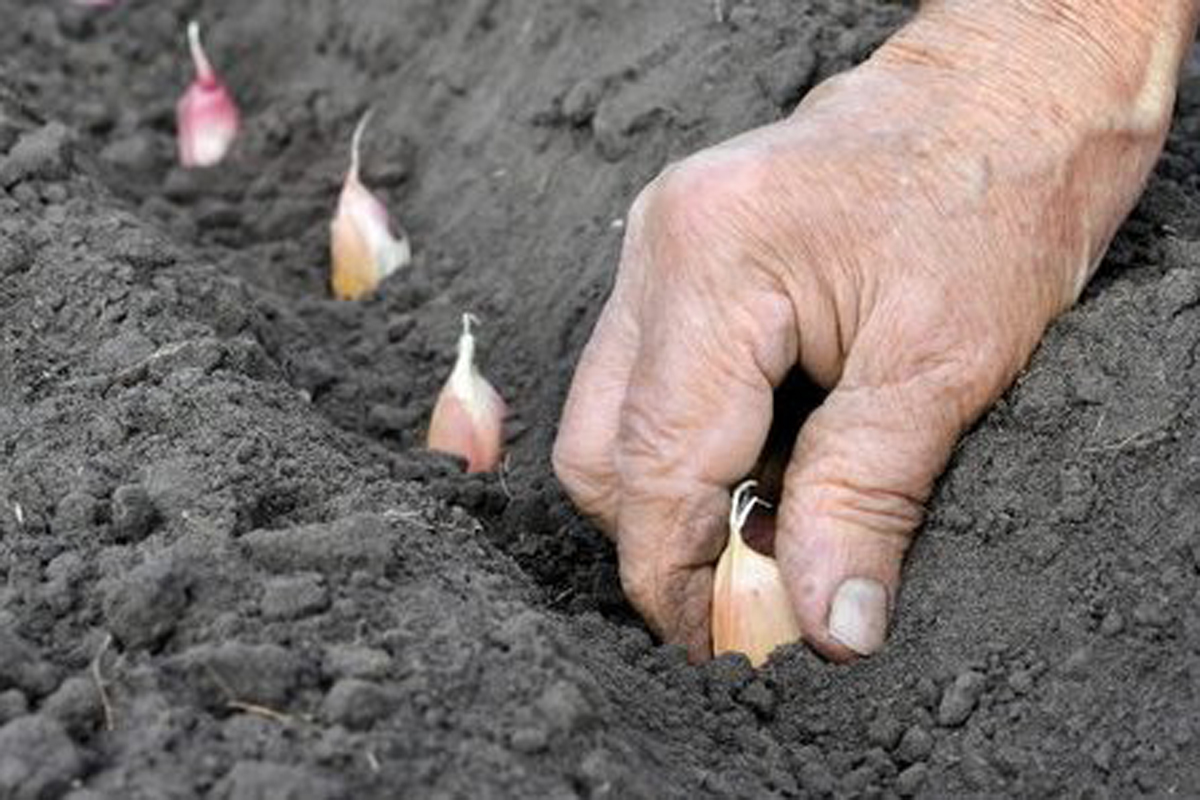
x,y
904,239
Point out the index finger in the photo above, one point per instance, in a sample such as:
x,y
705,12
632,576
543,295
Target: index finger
x,y
697,411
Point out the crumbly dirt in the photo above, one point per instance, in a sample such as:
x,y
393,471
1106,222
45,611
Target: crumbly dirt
x,y
228,569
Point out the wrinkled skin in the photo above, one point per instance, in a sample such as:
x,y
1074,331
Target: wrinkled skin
x,y
904,238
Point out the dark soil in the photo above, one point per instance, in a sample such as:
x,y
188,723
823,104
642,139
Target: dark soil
x,y
214,505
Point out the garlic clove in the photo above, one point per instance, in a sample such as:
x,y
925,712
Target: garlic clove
x,y
468,419
362,246
751,611
206,115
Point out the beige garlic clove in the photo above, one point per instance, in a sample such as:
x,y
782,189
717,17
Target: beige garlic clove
x,y
751,611
362,246
206,116
468,420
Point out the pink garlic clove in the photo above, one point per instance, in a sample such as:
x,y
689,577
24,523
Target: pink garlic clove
x,y
206,115
468,420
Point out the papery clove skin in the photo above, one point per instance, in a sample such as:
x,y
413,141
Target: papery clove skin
x,y
468,420
363,248
207,116
751,610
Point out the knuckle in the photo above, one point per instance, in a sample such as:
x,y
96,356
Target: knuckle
x,y
890,513
966,376
704,195
653,444
957,356
986,367
585,480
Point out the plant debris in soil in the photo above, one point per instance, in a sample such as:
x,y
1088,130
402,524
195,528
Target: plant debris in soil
x,y
229,569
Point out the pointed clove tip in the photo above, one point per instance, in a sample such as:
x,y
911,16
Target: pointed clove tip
x,y
464,364
356,140
193,37
204,70
363,121
469,319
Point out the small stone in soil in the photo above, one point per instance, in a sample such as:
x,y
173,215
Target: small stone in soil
x,y
133,513
928,691
42,154
1021,682
579,103
1112,624
15,253
564,707
817,778
143,609
908,783
357,704
885,731
1078,665
600,771
857,781
530,739
294,597
75,512
355,662
915,745
960,698
1151,614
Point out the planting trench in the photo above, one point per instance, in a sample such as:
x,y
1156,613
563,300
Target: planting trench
x,y
215,508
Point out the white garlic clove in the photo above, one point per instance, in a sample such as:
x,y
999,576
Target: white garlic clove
x,y
752,612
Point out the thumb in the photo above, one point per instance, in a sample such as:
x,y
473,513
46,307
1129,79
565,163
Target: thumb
x,y
863,465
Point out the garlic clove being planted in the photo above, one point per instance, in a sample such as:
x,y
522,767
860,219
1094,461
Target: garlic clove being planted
x,y
751,611
468,419
206,115
363,248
